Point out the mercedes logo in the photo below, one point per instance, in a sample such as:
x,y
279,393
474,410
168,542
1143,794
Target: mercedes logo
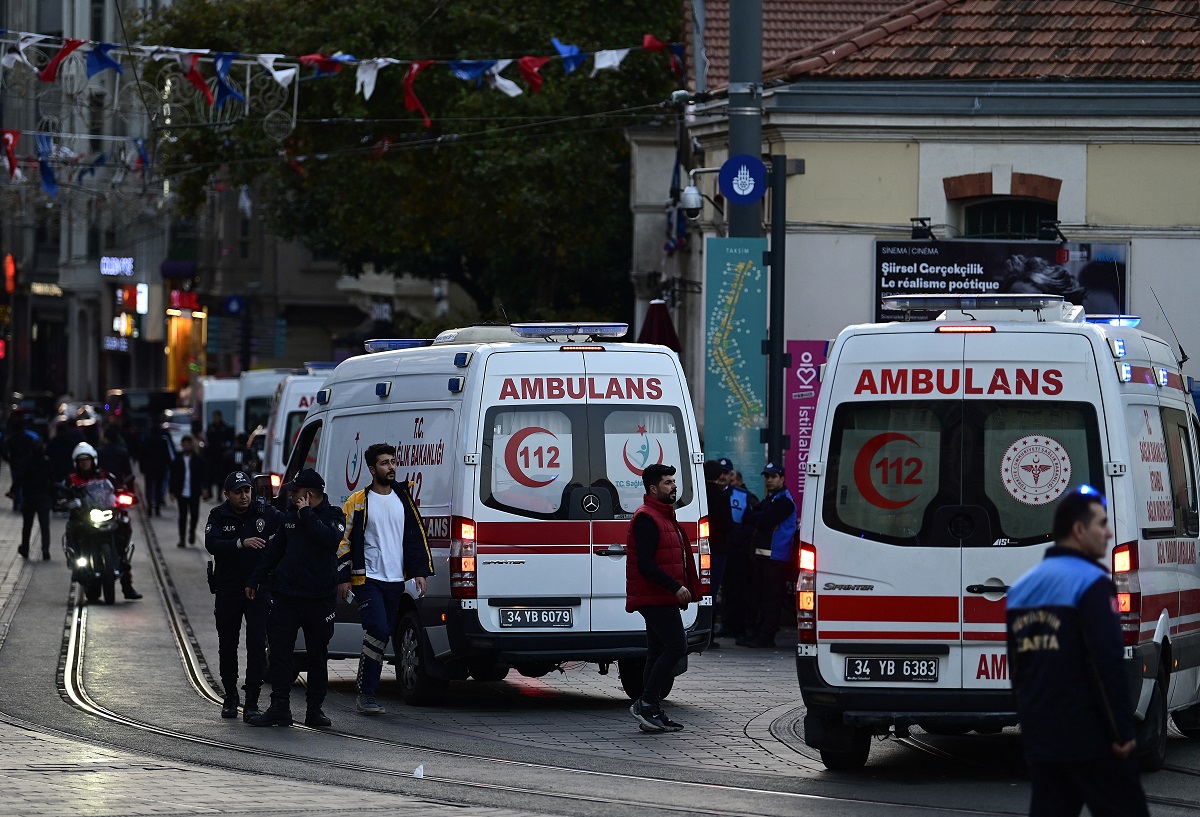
x,y
591,503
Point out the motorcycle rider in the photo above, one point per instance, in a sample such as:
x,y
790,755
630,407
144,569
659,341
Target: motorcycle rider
x,y
236,535
87,471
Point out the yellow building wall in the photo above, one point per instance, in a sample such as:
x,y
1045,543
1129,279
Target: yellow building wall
x,y
1143,185
854,182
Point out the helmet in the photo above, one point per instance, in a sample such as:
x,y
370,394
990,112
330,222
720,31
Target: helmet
x,y
83,450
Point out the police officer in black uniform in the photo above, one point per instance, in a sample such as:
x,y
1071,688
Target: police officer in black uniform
x,y
236,535
302,562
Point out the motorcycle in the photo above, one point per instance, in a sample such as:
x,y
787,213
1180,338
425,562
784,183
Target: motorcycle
x,y
98,535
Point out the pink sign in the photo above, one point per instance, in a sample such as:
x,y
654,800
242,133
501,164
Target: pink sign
x,y
800,408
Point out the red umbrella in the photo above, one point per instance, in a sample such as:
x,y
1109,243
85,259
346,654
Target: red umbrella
x,y
659,328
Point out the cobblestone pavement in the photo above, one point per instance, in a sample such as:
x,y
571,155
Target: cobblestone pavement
x,y
43,774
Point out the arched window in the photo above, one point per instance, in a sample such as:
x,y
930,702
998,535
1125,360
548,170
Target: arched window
x,y
1007,217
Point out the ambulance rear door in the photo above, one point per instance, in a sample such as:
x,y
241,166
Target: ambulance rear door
x,y
1030,432
637,416
891,516
533,541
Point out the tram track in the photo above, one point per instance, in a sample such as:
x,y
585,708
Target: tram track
x,y
668,796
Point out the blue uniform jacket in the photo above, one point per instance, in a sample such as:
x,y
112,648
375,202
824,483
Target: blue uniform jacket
x,y
1067,660
301,559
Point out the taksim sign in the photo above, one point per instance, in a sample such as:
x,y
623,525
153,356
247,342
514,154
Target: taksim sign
x,y
114,266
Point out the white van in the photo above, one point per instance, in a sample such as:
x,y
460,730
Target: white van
x,y
294,396
214,394
524,448
256,389
939,450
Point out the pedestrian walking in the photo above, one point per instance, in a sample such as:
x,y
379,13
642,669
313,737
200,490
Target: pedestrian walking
x,y
1067,662
385,545
37,492
301,560
189,481
158,453
774,546
660,580
720,525
236,535
218,439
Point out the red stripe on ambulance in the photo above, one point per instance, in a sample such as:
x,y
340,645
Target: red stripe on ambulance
x,y
889,608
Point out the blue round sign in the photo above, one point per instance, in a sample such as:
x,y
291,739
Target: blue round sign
x,y
234,304
743,179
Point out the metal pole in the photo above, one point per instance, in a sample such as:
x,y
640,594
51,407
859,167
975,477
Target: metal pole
x,y
776,359
745,106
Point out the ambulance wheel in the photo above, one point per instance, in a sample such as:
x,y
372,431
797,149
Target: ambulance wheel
x,y
632,672
487,670
848,760
1152,732
417,686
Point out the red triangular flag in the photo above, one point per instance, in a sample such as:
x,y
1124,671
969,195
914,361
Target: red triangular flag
x,y
411,103
192,74
50,72
10,138
652,43
323,64
529,68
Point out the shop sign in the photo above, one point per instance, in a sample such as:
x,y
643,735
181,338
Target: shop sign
x,y
113,266
47,290
112,344
183,299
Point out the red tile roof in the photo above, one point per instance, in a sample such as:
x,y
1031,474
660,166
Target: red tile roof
x,y
788,27
1010,39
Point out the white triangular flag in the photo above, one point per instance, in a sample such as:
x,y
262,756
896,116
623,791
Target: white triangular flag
x,y
368,72
283,76
610,58
17,55
502,84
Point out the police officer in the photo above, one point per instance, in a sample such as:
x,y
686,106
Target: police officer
x,y
736,586
1068,670
236,535
774,526
301,560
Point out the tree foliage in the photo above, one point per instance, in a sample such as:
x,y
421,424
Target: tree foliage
x,y
524,199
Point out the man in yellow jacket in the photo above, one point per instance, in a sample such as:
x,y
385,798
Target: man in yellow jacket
x,y
385,545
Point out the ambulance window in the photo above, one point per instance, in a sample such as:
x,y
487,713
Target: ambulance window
x,y
633,439
1032,453
258,412
1150,469
886,464
1182,472
306,449
529,460
295,419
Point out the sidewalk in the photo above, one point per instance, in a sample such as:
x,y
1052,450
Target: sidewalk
x,y
45,774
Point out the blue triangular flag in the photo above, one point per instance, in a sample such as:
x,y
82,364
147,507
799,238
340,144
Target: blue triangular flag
x,y
470,69
221,63
572,57
98,60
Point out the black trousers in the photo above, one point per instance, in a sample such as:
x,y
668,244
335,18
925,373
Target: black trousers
x,y
770,580
737,606
290,614
189,505
666,645
1108,787
42,511
230,609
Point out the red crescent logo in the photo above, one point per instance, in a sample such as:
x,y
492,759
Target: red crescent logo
x,y
862,470
356,453
514,467
637,471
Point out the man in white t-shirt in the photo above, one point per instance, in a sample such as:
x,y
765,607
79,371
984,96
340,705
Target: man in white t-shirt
x,y
382,549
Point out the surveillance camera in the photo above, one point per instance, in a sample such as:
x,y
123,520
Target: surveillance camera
x,y
691,202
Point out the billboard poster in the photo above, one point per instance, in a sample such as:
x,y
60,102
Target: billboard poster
x,y
735,377
800,407
1091,274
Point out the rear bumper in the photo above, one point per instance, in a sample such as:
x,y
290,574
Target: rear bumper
x,y
877,708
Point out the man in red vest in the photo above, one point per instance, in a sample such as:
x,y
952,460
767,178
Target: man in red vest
x,y
660,580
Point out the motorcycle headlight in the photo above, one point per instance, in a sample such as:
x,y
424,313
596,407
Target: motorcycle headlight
x,y
97,516
81,562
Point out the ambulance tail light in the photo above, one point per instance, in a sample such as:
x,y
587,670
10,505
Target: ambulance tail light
x,y
276,481
704,548
806,595
463,577
1129,597
968,329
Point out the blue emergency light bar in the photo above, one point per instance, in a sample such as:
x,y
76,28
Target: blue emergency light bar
x,y
964,303
1128,321
392,344
549,330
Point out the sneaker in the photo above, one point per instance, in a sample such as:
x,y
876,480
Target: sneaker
x,y
647,716
274,716
317,719
369,706
672,726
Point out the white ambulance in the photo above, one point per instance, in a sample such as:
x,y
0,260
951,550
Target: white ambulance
x,y
294,396
524,448
256,388
938,452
